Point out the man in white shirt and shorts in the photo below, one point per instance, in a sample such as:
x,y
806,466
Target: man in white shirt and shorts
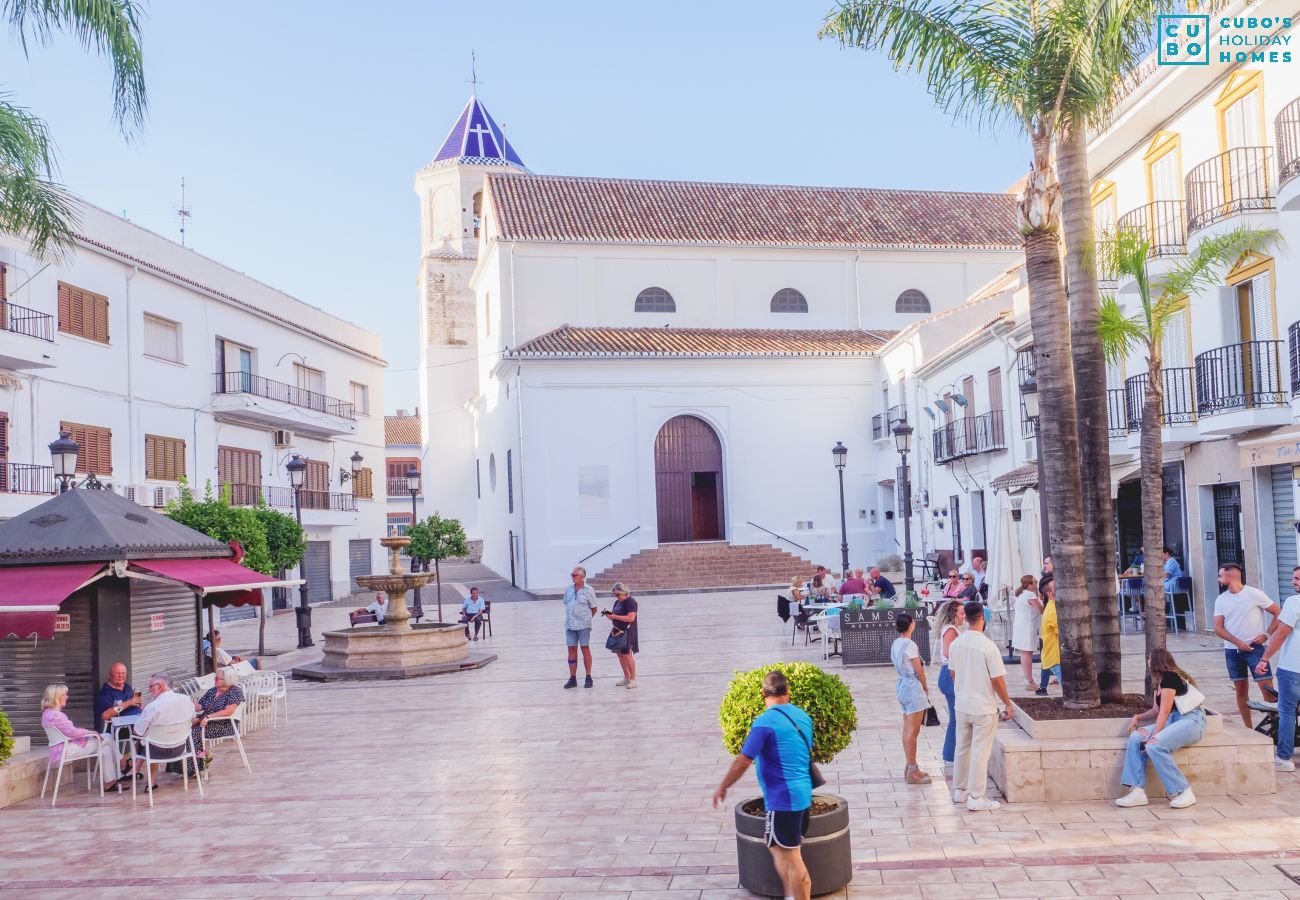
x,y
1239,620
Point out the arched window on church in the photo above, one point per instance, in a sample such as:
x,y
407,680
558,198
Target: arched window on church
x,y
788,300
912,301
478,212
655,300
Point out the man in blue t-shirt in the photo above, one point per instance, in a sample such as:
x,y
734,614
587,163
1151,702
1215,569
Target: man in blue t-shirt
x,y
780,741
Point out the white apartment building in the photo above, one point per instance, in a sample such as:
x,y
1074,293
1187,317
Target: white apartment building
x,y
164,364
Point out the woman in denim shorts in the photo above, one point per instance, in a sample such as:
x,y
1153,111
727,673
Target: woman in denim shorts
x,y
913,693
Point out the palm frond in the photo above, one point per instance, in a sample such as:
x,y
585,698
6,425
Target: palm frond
x,y
1203,268
31,202
1120,334
109,27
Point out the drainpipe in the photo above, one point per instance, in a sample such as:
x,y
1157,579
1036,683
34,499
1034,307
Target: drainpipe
x,y
132,414
519,425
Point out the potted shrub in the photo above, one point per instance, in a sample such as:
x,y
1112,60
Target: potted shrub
x,y
826,849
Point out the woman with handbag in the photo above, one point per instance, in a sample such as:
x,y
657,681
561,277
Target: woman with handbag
x,y
913,693
623,638
1178,719
952,616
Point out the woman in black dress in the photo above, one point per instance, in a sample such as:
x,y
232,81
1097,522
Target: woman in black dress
x,y
214,708
624,615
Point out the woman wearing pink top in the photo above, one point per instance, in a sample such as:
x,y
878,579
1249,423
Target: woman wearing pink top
x,y
82,742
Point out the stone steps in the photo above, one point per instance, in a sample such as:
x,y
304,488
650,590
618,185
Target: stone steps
x,y
707,564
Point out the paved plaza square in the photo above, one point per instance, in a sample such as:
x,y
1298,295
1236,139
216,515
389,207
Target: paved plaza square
x,y
500,782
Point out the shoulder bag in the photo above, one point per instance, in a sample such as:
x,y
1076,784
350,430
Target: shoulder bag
x,y
1189,701
814,773
617,640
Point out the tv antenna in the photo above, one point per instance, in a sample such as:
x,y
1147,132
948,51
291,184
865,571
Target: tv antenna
x,y
183,212
473,72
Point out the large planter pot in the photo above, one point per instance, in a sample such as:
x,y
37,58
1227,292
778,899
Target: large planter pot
x,y
825,849
868,634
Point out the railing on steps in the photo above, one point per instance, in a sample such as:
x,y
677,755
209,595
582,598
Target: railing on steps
x,y
780,537
610,544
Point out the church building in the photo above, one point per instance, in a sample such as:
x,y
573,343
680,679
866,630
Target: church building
x,y
653,374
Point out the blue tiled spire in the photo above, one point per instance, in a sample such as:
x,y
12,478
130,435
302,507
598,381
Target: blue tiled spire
x,y
476,139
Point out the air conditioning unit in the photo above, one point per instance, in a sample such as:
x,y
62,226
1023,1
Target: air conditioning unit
x,y
283,438
138,493
161,494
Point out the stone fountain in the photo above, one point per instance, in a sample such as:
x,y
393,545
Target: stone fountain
x,y
396,649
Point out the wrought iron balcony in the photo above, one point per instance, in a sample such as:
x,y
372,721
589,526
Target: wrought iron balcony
x,y
1025,371
877,427
21,320
23,478
1107,260
1239,376
1287,128
897,414
282,497
1293,345
247,383
968,436
397,488
1162,224
1179,399
1116,413
1239,180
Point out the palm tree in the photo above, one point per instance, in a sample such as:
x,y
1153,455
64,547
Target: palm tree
x,y
1011,63
1123,335
32,202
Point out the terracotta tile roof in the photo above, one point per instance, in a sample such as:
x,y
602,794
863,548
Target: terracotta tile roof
x,y
1023,476
612,210
568,341
402,429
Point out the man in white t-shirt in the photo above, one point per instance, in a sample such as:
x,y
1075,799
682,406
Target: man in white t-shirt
x,y
979,679
1239,620
1285,647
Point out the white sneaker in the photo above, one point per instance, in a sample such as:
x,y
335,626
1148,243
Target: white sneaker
x,y
631,684
982,804
959,796
1283,765
1135,797
1183,800
622,682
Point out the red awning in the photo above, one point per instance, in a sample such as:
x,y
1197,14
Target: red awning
x,y
207,576
30,595
249,597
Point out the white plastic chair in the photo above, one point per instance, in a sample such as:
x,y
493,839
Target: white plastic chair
x,y
259,696
281,699
169,737
235,719
71,753
204,683
243,669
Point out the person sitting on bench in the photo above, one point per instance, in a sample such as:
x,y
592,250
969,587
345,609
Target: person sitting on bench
x,y
379,608
472,611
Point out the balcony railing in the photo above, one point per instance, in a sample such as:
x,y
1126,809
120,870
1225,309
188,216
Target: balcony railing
x,y
1107,260
1024,371
877,427
1240,376
897,414
1287,128
21,320
1116,413
282,497
397,488
1179,399
968,436
23,478
1231,183
1162,224
247,383
1293,344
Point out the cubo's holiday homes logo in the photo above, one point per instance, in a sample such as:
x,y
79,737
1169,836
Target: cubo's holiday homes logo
x,y
1187,41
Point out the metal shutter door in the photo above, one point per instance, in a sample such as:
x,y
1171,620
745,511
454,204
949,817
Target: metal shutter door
x,y
317,567
26,667
1284,533
172,648
358,561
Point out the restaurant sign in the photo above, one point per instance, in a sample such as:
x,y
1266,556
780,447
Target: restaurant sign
x,y
1279,451
157,622
62,622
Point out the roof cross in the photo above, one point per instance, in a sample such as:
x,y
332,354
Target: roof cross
x,y
479,131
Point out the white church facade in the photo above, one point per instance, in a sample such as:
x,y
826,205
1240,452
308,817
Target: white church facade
x,y
614,366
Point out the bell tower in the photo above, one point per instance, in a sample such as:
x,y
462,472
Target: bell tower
x,y
450,193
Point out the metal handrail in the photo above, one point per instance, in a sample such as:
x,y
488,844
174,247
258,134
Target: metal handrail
x,y
1287,128
31,322
1239,376
1162,223
779,537
248,383
607,546
1235,181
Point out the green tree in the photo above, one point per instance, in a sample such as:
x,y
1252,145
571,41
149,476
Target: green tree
x,y
286,545
1123,335
32,202
437,539
215,517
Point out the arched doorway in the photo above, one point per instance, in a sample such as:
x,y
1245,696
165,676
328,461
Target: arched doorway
x,y
688,481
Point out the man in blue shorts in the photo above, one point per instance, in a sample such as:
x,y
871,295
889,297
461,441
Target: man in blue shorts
x,y
781,741
579,606
1239,620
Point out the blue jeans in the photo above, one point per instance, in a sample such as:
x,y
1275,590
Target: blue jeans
x,y
1180,730
950,733
1288,692
1048,672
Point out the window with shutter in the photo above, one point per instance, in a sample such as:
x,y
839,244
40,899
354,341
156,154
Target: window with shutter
x,y
363,484
1175,348
164,458
242,470
316,485
995,390
397,467
83,313
96,448
4,450
162,338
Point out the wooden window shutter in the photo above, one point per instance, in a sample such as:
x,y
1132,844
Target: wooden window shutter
x,y
83,313
164,458
4,451
995,389
363,484
96,454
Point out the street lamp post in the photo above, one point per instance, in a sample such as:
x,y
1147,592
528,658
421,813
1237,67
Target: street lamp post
x,y
840,453
355,459
297,468
413,487
903,441
1029,391
64,452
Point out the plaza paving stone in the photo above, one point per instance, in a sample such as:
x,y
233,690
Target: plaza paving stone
x,y
499,782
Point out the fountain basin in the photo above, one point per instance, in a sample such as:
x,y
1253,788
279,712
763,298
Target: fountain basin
x,y
375,652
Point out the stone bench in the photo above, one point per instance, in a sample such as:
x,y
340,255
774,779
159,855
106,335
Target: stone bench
x,y
1083,760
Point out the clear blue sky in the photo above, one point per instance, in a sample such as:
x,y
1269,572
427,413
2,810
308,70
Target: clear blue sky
x,y
299,126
